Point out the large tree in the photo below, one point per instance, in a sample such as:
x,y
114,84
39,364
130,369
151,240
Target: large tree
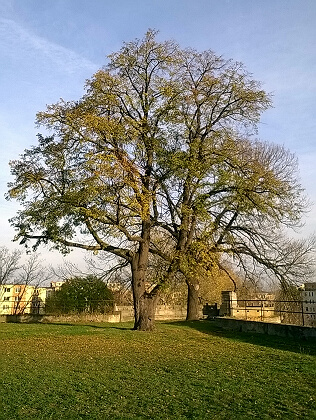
x,y
159,142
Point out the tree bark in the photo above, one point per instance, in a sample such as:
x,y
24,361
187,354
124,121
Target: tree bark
x,y
146,318
144,302
193,302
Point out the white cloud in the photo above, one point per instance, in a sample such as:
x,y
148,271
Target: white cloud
x,y
14,37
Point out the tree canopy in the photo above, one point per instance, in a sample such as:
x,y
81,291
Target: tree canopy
x,y
162,141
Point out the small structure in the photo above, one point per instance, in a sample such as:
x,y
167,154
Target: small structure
x,y
229,303
257,308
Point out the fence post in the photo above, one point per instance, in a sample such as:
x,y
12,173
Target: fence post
x,y
302,307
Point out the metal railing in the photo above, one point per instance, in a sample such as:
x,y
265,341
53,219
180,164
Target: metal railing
x,y
299,312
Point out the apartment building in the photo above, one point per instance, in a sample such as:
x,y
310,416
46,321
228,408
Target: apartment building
x,y
15,298
19,299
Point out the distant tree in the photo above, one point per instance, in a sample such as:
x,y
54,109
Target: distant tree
x,y
88,294
31,273
9,264
289,306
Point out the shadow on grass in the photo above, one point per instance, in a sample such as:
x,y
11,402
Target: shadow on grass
x,y
104,326
116,326
301,346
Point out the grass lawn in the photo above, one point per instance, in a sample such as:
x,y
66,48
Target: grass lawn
x,y
181,371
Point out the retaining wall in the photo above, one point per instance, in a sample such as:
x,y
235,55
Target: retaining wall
x,y
29,318
269,328
120,314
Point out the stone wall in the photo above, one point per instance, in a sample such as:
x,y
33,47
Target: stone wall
x,y
269,328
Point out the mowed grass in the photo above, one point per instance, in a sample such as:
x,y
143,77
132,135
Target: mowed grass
x,y
183,370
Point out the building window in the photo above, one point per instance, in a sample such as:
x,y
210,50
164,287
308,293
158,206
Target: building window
x,y
6,298
306,308
17,298
7,290
5,307
17,289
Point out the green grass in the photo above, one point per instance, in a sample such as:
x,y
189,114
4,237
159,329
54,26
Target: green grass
x,y
180,371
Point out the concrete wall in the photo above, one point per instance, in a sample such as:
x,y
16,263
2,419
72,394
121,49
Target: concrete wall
x,y
255,313
120,314
269,328
166,312
163,312
21,318
30,318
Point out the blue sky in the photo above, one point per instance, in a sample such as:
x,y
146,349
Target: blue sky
x,y
48,48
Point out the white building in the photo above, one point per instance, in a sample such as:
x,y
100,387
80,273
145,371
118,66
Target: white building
x,y
308,294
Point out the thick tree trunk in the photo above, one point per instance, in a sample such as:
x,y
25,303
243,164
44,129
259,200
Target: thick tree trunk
x,y
146,318
144,303
193,302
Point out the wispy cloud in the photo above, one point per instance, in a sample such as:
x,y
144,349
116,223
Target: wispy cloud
x,y
14,37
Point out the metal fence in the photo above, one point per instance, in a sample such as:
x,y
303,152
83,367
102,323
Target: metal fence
x,y
298,312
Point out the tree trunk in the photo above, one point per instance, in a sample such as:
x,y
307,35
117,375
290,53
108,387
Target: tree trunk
x,y
144,302
193,302
146,318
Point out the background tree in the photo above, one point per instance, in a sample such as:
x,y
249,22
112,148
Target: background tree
x,y
88,294
31,273
289,305
231,192
9,264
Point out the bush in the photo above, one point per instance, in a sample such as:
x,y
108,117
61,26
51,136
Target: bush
x,y
81,294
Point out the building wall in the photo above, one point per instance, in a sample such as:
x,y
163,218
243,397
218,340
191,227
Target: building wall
x,y
308,295
15,298
18,299
255,312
